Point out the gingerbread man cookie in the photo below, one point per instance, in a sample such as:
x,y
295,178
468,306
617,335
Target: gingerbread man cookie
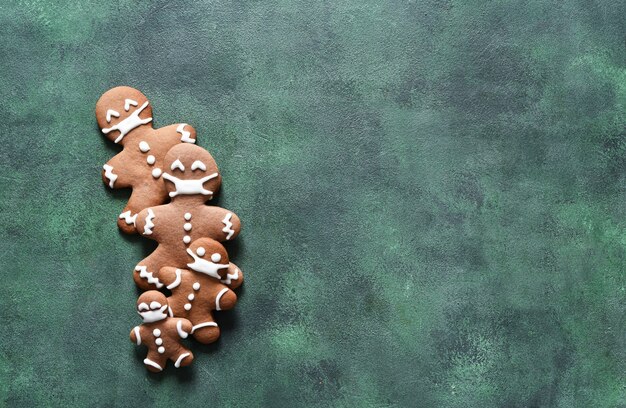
x,y
196,293
191,178
125,115
160,333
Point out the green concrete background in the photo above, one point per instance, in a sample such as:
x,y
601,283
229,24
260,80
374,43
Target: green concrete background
x,y
433,193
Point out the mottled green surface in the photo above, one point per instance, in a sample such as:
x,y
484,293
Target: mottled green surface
x,y
433,192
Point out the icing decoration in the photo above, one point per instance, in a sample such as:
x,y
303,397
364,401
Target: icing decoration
x,y
187,306
143,273
187,226
201,325
161,350
144,146
219,296
184,134
180,358
215,257
204,266
179,327
108,173
228,226
156,332
142,307
151,159
176,281
189,187
198,165
187,216
150,316
147,229
129,102
149,362
158,341
156,173
111,112
230,276
200,251
137,335
128,218
196,286
186,239
191,296
177,165
128,124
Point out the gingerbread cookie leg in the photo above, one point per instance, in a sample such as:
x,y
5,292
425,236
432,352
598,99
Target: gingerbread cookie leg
x,y
183,359
146,271
154,361
206,332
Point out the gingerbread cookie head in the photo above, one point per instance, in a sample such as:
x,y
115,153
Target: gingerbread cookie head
x,y
190,172
208,257
152,306
121,110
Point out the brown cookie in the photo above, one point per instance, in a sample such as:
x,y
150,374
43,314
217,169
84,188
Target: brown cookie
x,y
125,117
206,287
161,333
191,178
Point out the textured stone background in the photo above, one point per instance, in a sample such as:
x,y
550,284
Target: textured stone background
x,y
433,192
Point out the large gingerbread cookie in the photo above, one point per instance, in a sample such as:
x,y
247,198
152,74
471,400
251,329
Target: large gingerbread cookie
x,y
204,287
125,117
191,178
160,333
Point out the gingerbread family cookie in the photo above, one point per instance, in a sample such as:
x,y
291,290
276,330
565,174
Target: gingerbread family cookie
x,y
125,117
204,287
160,333
191,178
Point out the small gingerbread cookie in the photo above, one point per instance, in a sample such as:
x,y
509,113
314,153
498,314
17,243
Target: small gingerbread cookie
x,y
196,293
160,333
125,115
191,178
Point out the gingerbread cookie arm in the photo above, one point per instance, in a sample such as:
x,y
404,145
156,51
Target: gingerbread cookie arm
x,y
186,133
135,335
114,174
171,277
151,222
220,224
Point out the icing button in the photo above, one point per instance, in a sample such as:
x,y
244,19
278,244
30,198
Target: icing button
x,y
156,332
151,160
196,286
156,173
161,350
188,216
191,296
187,306
159,341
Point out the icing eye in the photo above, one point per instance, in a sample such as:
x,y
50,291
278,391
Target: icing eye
x,y
110,113
178,165
198,165
154,305
216,257
142,307
200,251
129,102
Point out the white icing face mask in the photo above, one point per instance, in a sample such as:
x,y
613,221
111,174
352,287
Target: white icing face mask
x,y
150,316
204,266
189,187
129,123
